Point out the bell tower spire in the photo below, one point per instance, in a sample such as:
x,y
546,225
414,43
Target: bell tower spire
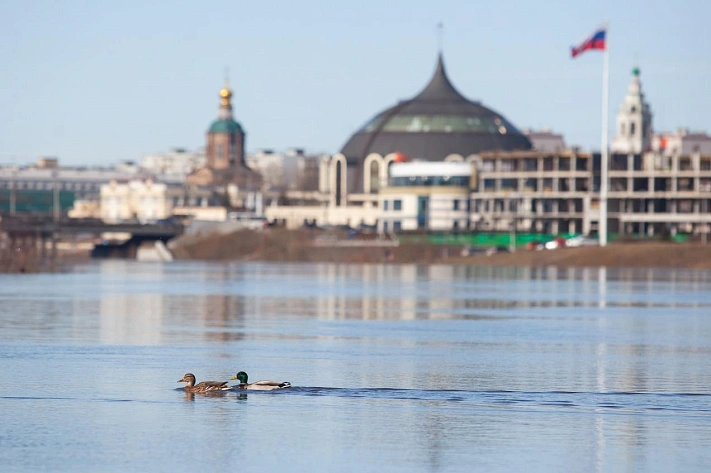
x,y
634,120
225,111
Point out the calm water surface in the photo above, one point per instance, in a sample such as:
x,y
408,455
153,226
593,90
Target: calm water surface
x,y
394,368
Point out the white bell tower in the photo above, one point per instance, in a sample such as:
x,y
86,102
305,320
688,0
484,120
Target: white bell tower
x,y
634,121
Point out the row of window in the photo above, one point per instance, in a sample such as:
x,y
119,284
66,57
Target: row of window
x,y
534,164
395,227
396,204
40,185
455,181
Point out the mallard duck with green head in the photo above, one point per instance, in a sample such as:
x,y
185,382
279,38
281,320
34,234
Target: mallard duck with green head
x,y
259,385
203,386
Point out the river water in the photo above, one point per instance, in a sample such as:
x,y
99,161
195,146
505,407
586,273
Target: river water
x,y
394,368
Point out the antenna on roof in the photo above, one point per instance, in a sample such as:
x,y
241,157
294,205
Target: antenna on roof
x,y
440,34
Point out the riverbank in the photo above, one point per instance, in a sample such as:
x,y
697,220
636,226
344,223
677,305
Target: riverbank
x,y
309,246
279,245
615,255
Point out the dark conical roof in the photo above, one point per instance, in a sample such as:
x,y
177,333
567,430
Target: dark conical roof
x,y
435,123
440,88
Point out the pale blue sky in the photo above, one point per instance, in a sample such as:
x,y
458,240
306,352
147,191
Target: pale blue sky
x,y
99,82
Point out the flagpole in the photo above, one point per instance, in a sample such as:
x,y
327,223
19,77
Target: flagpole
x,y
602,225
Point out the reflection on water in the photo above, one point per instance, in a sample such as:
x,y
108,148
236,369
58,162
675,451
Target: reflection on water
x,y
394,367
163,304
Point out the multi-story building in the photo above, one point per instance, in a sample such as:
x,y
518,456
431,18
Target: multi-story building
x,y
426,196
173,165
682,143
657,183
542,192
292,170
146,201
36,188
651,193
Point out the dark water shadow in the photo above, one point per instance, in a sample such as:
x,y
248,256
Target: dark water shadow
x,y
689,403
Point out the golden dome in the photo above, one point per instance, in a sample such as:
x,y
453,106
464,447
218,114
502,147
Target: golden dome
x,y
225,96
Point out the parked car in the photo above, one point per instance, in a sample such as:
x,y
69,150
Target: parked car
x,y
581,240
469,250
555,243
497,249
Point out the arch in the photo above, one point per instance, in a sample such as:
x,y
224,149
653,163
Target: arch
x,y
372,173
454,158
388,161
338,180
474,159
324,166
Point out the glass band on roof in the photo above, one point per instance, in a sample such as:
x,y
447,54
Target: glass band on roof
x,y
439,124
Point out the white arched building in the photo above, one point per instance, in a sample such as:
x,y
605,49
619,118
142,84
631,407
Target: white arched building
x,y
428,195
337,202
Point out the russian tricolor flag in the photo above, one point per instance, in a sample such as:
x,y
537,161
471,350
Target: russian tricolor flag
x,y
594,41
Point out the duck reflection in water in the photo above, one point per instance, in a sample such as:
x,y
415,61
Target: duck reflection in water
x,y
190,396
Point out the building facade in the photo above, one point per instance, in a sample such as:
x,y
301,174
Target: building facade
x,y
426,196
136,200
174,165
36,188
658,184
536,192
293,169
682,143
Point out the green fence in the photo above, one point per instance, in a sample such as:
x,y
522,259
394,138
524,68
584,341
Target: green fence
x,y
481,239
504,239
35,201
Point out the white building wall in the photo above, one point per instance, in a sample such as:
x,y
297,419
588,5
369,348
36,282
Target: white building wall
x,y
145,201
175,163
440,213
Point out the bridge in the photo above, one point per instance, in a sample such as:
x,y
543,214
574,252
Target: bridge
x,y
47,227
32,229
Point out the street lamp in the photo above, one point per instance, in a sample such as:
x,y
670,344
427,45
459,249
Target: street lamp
x,y
56,196
512,237
13,196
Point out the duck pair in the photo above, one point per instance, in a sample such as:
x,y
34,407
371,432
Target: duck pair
x,y
217,386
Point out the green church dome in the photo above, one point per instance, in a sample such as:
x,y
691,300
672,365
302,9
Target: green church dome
x,y
225,126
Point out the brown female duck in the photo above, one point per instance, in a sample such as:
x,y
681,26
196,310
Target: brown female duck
x,y
204,386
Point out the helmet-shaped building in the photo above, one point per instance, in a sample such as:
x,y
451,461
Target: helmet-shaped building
x,y
437,123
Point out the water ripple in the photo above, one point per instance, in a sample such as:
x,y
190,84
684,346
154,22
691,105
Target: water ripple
x,y
691,403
